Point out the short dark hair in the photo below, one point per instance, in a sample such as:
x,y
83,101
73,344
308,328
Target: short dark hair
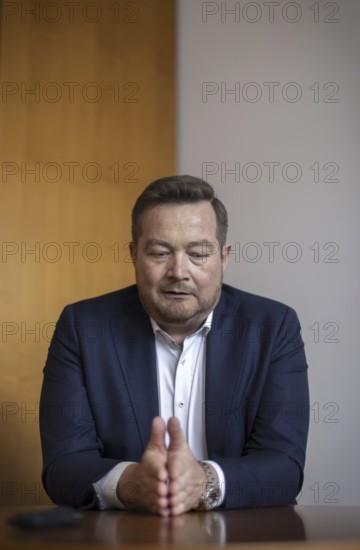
x,y
180,190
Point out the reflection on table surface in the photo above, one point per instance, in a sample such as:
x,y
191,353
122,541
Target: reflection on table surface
x,y
258,525
204,528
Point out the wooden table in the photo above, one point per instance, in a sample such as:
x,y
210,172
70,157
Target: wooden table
x,y
308,527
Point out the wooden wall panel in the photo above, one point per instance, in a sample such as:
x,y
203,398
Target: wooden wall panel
x,y
86,121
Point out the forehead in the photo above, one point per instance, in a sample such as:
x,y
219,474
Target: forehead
x,y
179,219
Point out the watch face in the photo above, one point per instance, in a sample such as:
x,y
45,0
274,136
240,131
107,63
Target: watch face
x,y
211,496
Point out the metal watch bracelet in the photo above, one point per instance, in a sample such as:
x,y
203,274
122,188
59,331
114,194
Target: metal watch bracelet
x,y
211,490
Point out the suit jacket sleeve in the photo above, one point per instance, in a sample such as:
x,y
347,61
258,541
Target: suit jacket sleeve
x,y
72,450
266,416
99,394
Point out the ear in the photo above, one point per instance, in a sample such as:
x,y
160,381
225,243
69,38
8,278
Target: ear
x,y
132,249
225,255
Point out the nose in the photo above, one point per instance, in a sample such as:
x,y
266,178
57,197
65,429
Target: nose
x,y
177,267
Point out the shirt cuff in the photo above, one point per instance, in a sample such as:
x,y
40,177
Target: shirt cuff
x,y
105,488
221,478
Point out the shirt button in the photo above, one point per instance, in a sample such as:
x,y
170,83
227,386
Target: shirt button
x,y
181,404
183,361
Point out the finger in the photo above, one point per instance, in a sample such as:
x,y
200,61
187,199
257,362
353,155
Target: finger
x,y
157,435
177,440
178,509
186,483
183,500
156,498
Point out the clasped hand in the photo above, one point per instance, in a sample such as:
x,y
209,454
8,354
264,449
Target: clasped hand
x,y
168,480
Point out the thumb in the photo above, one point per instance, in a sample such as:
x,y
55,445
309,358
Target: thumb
x,y
177,440
157,435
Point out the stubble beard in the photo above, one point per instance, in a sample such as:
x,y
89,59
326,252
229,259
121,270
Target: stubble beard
x,y
177,312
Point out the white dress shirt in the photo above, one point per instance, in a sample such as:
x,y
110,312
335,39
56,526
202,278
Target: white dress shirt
x,y
181,389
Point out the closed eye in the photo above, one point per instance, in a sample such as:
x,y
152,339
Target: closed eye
x,y
159,254
199,256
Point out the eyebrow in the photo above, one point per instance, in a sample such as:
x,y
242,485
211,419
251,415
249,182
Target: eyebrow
x,y
201,243
207,247
154,242
190,244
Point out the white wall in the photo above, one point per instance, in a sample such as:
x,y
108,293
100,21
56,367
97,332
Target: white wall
x,y
312,132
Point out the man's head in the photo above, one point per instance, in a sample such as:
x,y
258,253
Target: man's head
x,y
179,190
179,252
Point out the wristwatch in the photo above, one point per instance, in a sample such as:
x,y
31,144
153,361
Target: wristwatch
x,y
211,490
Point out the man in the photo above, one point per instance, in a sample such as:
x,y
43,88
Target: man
x,y
179,392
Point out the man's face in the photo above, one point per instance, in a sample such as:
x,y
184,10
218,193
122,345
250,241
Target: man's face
x,y
178,265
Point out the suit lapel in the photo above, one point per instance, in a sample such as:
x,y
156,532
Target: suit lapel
x,y
135,348
224,367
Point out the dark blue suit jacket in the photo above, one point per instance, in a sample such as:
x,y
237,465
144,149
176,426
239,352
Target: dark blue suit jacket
x,y
100,394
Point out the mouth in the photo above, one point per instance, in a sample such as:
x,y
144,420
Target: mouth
x,y
176,293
